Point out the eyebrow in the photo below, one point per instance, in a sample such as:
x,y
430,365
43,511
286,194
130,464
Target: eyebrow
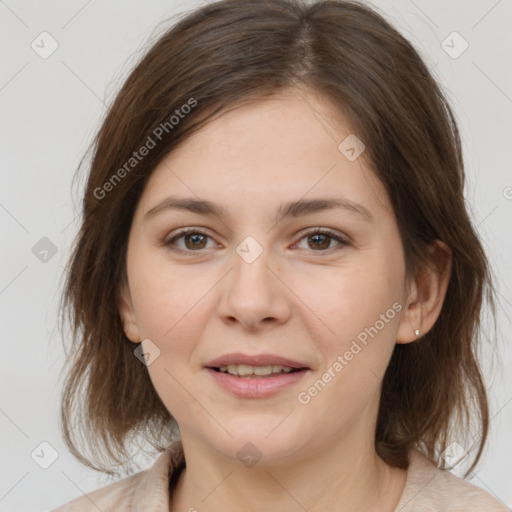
x,y
297,208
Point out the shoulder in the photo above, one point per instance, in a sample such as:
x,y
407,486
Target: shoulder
x,y
429,488
146,490
116,496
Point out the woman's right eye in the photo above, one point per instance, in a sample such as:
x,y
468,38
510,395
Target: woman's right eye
x,y
193,238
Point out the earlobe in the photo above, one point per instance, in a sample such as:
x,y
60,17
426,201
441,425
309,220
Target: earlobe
x,y
426,295
127,314
411,324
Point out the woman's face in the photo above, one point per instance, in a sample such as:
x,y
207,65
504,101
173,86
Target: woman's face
x,y
257,286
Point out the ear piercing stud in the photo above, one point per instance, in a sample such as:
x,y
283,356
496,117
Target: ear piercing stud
x,y
417,332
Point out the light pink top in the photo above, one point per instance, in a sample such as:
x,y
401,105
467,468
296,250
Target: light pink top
x,y
427,489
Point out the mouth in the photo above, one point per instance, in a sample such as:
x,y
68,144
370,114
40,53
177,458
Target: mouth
x,y
253,366
257,376
244,371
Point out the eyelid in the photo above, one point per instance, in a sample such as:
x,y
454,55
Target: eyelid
x,y
328,231
185,231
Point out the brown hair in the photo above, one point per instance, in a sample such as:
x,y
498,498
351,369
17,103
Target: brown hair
x,y
222,55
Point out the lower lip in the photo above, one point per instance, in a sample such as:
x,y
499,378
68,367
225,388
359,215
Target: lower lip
x,y
256,387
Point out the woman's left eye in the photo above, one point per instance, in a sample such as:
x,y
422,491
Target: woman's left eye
x,y
321,239
195,239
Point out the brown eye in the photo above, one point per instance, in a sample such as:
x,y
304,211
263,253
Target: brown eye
x,y
321,240
194,241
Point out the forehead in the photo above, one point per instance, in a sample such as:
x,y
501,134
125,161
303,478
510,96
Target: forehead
x,y
265,152
286,127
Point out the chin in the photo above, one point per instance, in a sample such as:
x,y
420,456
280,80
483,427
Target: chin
x,y
262,442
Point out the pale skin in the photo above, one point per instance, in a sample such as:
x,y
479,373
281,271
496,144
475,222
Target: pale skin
x,y
302,298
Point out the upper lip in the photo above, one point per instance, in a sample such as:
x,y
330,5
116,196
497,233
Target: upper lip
x,y
256,360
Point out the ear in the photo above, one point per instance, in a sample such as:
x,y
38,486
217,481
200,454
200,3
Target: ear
x,y
127,313
426,294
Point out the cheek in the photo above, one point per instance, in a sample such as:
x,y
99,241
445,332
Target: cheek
x,y
363,311
171,308
168,300
354,300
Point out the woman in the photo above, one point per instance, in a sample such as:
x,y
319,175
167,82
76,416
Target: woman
x,y
275,258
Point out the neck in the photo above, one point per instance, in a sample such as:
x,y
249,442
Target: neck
x,y
348,473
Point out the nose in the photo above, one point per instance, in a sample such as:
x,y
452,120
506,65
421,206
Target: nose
x,y
254,295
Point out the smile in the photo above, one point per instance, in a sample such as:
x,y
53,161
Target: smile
x,y
253,385
246,371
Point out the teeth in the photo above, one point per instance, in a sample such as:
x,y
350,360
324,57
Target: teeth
x,y
243,370
265,370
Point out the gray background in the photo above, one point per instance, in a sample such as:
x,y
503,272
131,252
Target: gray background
x,y
50,109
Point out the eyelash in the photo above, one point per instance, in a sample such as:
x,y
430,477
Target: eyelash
x,y
198,231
